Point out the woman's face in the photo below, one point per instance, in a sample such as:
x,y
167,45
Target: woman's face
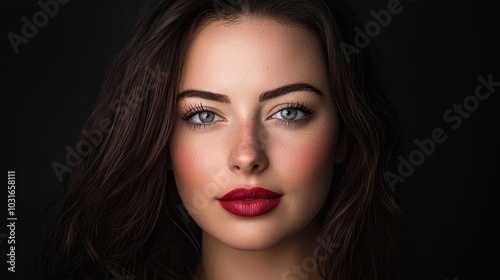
x,y
254,112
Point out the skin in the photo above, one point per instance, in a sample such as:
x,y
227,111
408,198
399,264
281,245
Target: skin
x,y
250,143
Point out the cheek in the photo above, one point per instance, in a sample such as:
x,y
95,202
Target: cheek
x,y
189,160
308,159
305,165
198,179
310,156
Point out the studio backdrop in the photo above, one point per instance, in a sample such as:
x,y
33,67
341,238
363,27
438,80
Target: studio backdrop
x,y
440,68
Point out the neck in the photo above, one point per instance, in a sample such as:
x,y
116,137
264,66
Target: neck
x,y
221,262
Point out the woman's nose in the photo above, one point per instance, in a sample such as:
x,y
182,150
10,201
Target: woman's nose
x,y
248,154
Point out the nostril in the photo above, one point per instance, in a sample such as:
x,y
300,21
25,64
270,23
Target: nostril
x,y
247,159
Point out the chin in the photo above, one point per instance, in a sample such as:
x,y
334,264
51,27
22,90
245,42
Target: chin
x,y
256,236
254,243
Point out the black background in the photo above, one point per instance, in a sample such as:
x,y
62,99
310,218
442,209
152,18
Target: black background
x,y
432,53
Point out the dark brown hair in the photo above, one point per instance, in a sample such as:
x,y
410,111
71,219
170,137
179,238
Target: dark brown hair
x,y
120,210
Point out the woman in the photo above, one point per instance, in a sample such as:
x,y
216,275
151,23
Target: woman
x,y
233,140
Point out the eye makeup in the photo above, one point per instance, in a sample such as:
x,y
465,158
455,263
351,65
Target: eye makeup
x,y
288,114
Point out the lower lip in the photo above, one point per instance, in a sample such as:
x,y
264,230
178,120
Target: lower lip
x,y
250,208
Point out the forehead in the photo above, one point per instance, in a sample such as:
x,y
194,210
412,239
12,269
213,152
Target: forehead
x,y
251,51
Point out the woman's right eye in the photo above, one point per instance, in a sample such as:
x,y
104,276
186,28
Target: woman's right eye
x,y
200,117
204,117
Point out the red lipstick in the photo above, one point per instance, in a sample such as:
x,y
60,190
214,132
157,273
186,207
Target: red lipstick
x,y
250,202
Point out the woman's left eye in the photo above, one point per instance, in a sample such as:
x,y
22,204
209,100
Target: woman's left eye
x,y
293,114
289,114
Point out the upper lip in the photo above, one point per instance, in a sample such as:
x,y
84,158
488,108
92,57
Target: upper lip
x,y
249,193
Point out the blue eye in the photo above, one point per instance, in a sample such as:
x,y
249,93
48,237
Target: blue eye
x,y
199,116
293,114
205,117
289,114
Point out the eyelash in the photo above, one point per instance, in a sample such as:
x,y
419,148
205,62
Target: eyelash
x,y
193,110
308,113
198,108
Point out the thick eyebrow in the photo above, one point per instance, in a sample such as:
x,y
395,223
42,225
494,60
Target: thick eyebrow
x,y
287,89
262,97
203,94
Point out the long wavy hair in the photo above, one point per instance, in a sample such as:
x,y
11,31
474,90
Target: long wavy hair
x,y
119,212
